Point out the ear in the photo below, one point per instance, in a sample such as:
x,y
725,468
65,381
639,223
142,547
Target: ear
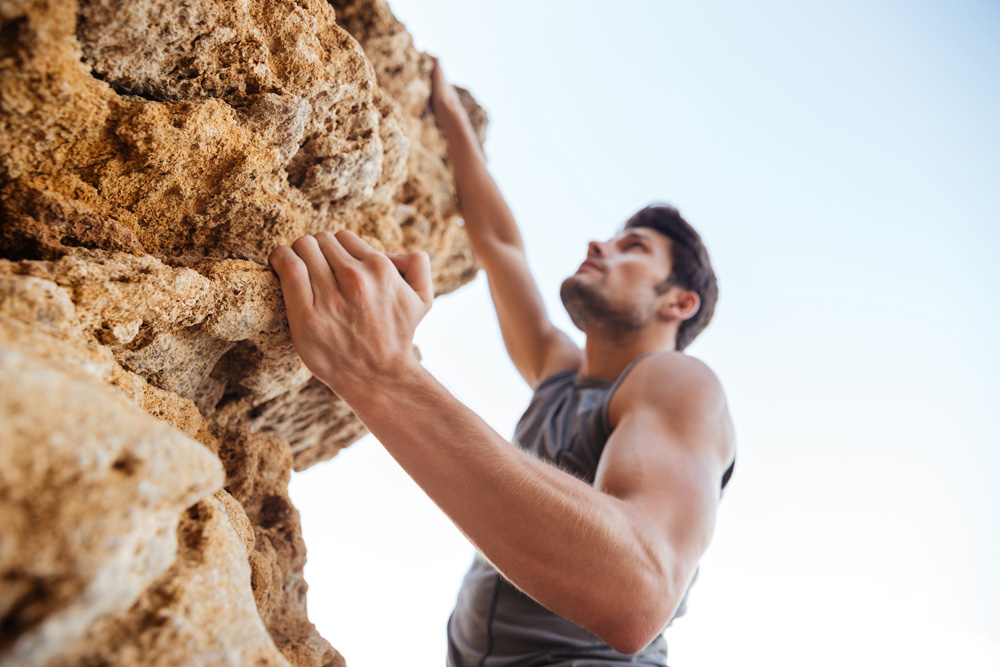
x,y
679,304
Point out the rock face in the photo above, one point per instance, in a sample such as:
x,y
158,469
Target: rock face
x,y
152,153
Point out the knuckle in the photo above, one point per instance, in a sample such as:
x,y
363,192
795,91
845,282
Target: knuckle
x,y
380,264
351,273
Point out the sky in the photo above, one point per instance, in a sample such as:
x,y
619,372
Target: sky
x,y
841,162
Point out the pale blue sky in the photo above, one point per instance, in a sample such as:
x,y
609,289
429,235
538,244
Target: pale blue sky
x,y
841,161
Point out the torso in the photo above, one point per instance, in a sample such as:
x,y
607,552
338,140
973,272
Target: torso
x,y
567,424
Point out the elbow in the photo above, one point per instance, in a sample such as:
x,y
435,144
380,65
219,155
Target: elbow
x,y
633,635
639,621
637,604
629,645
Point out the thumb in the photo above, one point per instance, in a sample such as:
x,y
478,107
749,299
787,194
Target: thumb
x,y
416,271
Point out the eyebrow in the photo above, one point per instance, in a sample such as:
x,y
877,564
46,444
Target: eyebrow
x,y
635,235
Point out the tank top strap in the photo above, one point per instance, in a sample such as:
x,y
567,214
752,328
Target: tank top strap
x,y
603,418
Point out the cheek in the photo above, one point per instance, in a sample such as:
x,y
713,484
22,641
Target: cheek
x,y
639,275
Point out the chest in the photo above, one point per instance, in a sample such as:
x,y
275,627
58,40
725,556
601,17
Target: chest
x,y
567,426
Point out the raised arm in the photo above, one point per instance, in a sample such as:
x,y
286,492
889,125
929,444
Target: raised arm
x,y
536,347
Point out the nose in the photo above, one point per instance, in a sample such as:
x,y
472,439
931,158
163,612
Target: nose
x,y
595,249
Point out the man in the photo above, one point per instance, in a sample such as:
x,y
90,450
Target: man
x,y
590,532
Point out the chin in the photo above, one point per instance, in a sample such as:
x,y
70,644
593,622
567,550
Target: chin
x,y
592,312
584,302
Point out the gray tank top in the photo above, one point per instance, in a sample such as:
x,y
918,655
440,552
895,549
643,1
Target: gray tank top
x,y
494,624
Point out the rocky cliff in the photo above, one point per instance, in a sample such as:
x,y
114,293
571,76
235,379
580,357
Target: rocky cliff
x,y
152,153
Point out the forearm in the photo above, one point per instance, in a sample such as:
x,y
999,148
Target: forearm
x,y
574,549
488,220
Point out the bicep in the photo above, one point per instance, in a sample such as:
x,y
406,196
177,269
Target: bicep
x,y
667,478
534,344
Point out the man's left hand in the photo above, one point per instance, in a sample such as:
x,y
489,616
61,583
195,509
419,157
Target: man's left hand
x,y
352,310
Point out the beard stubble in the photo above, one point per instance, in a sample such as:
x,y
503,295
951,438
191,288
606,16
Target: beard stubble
x,y
595,314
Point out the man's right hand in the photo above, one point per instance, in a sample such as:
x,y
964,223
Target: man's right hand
x,y
444,98
535,346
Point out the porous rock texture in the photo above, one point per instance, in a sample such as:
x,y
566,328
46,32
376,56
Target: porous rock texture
x,y
152,407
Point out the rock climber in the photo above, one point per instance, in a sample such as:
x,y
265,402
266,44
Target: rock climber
x,y
589,531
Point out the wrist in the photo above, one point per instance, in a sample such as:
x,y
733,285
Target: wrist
x,y
368,387
452,117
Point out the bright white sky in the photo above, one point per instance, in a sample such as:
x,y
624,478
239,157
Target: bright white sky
x,y
841,161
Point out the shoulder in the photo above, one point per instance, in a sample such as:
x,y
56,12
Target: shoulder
x,y
669,380
681,393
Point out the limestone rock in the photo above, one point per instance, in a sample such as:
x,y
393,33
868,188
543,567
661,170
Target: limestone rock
x,y
257,474
91,489
212,129
255,501
198,612
152,154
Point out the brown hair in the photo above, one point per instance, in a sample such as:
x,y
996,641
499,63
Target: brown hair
x,y
691,267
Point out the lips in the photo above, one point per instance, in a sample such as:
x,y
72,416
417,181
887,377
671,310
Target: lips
x,y
589,265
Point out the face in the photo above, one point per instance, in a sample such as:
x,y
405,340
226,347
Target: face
x,y
615,292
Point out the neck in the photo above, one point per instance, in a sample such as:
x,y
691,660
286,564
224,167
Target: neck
x,y
605,358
